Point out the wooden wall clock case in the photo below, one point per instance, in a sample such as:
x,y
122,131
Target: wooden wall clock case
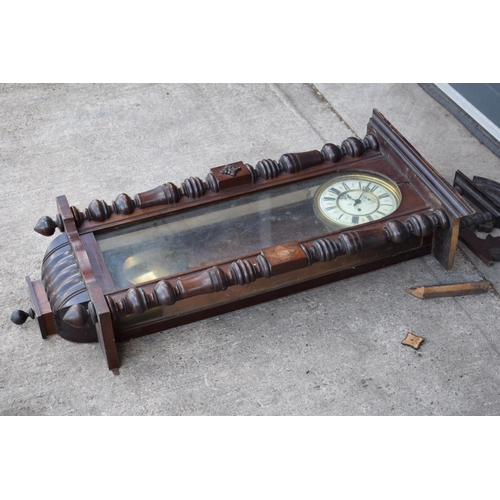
x,y
81,298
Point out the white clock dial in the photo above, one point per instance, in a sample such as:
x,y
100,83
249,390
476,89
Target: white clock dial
x,y
353,198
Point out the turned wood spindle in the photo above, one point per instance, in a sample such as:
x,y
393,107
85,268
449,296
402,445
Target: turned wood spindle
x,y
166,194
212,280
420,224
352,147
242,272
352,242
123,204
268,169
194,187
476,220
296,162
98,210
275,260
346,243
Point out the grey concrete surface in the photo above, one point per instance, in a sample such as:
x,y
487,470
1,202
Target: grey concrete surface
x,y
334,350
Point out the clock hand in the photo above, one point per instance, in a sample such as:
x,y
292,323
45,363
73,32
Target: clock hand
x,y
358,200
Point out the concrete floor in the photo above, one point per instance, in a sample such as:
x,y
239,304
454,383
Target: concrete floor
x,y
328,351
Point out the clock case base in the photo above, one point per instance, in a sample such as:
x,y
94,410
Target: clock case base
x,y
88,308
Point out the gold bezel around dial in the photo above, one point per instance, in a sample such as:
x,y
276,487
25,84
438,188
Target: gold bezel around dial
x,y
352,198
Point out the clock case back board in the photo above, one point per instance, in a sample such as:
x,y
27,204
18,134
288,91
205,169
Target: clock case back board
x,y
79,298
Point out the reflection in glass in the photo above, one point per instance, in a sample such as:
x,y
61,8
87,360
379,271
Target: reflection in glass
x,y
209,234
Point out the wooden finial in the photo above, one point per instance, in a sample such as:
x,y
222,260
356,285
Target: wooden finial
x,y
76,316
46,226
19,317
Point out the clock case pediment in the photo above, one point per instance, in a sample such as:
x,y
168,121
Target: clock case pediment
x,y
80,298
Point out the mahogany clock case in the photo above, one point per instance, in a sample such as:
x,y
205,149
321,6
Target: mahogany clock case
x,y
244,235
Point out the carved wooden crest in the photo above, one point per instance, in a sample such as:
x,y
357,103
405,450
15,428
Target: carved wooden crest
x,y
230,170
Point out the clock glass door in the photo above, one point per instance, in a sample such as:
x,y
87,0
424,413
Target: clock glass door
x,y
209,234
227,230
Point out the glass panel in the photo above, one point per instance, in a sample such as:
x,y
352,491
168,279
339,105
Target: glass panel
x,y
210,234
286,280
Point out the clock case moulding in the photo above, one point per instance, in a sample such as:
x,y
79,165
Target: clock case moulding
x,y
78,299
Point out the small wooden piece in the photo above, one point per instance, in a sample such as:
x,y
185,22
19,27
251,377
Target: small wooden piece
x,y
42,308
285,258
413,340
231,175
487,249
455,290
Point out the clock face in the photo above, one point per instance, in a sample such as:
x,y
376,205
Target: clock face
x,y
353,198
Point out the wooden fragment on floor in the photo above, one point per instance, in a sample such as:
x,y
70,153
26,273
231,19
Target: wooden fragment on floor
x,y
413,340
455,290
